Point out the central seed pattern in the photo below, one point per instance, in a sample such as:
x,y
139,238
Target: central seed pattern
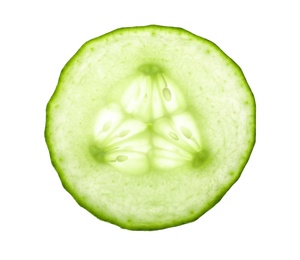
x,y
147,127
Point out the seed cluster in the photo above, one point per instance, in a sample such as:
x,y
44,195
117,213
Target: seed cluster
x,y
148,126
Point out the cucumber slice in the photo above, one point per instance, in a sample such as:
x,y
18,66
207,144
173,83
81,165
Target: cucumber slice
x,y
150,126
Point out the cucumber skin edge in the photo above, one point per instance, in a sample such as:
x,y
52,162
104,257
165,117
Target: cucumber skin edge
x,y
131,226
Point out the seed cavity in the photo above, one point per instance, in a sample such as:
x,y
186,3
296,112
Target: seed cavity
x,y
174,136
106,126
167,94
186,132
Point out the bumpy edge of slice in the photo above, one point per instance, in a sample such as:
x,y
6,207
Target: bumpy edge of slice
x,y
132,226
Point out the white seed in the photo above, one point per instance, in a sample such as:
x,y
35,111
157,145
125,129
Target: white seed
x,y
138,92
186,132
167,94
121,158
145,98
106,126
124,133
173,136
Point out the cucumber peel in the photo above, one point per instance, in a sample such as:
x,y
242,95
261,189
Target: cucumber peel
x,y
150,126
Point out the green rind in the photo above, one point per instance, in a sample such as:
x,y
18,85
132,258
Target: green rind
x,y
102,214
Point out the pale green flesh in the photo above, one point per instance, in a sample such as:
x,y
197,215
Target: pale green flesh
x,y
150,126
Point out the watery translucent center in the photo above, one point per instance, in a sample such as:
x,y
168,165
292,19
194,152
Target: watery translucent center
x,y
147,127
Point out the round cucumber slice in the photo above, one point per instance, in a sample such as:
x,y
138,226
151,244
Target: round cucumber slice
x,y
150,126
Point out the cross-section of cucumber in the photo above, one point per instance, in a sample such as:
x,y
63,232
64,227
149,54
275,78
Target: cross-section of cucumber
x,y
150,126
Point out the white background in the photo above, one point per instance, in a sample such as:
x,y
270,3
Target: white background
x,y
257,219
